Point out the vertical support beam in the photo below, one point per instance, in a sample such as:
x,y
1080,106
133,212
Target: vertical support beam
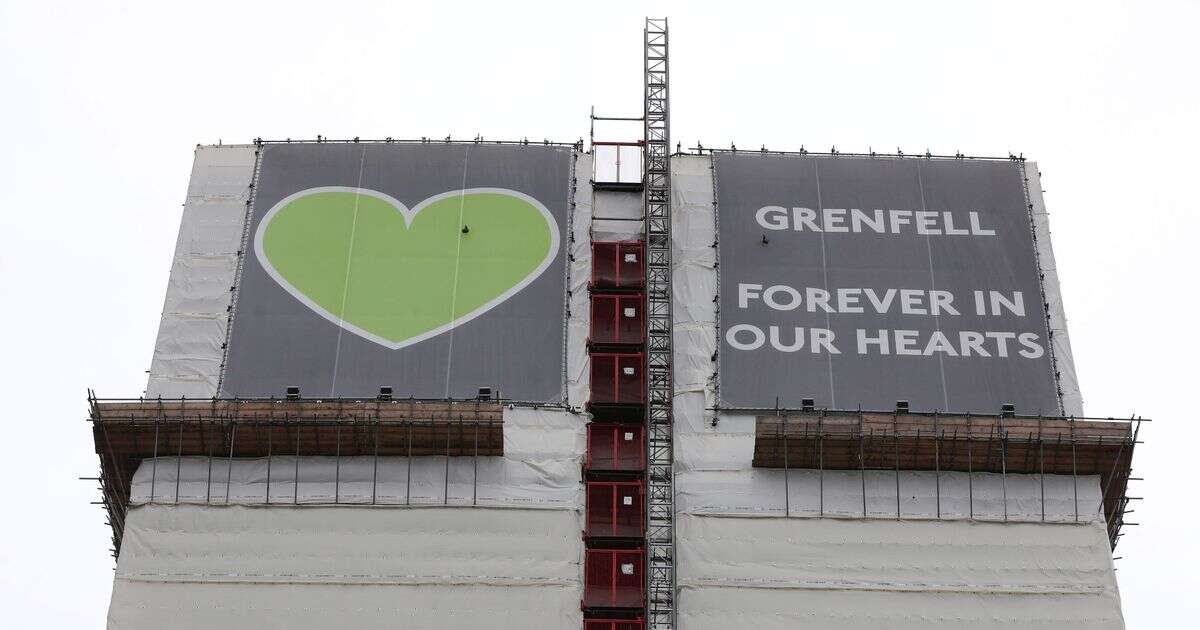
x,y
660,495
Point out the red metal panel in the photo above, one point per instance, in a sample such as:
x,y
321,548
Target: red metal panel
x,y
631,321
618,265
614,578
617,378
617,447
618,319
615,508
613,624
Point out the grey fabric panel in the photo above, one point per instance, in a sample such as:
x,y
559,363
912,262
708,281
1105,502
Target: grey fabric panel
x,y
1005,262
516,347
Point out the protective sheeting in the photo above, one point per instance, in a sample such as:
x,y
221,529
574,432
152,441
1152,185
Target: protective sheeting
x,y
694,275
617,216
866,574
543,450
191,335
890,495
353,567
1064,358
579,312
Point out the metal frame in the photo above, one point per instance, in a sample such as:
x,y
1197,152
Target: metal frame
x,y
847,440
660,485
129,431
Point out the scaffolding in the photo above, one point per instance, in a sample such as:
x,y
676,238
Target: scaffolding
x,y
129,431
824,440
660,494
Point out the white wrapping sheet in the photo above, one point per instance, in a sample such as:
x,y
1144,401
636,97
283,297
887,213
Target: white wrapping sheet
x,y
615,209
543,451
580,318
866,574
187,354
1064,358
236,567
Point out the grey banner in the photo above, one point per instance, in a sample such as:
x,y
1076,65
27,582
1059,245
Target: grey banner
x,y
860,282
287,330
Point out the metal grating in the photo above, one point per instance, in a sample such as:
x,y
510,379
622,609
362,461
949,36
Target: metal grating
x,y
660,495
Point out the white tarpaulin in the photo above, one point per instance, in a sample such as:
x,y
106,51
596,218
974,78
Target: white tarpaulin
x,y
234,567
836,574
191,336
1064,358
543,451
580,273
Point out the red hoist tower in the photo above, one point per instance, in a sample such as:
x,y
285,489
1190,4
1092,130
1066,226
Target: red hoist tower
x,y
629,572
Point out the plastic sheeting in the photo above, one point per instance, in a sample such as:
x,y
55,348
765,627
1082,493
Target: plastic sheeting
x,y
579,316
543,450
1064,358
191,335
617,216
841,575
891,495
299,568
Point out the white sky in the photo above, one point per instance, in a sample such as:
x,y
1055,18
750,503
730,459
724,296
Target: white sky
x,y
102,102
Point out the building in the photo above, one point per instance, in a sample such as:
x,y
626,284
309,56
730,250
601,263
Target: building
x,y
612,386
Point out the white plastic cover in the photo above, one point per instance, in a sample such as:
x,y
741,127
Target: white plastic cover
x,y
580,317
187,355
617,215
302,568
1068,378
776,573
543,451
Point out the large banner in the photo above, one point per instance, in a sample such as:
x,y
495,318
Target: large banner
x,y
433,269
860,282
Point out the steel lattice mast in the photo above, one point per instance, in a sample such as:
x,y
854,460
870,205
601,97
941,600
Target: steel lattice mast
x,y
660,533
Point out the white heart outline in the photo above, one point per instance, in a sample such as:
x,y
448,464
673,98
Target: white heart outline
x,y
408,216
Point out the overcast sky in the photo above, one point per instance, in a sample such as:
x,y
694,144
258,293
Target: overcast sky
x,y
103,102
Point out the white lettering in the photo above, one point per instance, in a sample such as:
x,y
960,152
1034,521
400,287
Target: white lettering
x,y
948,219
971,341
942,301
906,341
805,216
822,338
858,218
818,297
757,338
927,222
1001,341
834,217
797,340
900,217
865,340
911,302
747,292
977,229
793,296
1033,349
939,343
772,217
848,300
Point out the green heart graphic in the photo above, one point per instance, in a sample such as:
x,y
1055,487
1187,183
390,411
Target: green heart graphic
x,y
395,276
